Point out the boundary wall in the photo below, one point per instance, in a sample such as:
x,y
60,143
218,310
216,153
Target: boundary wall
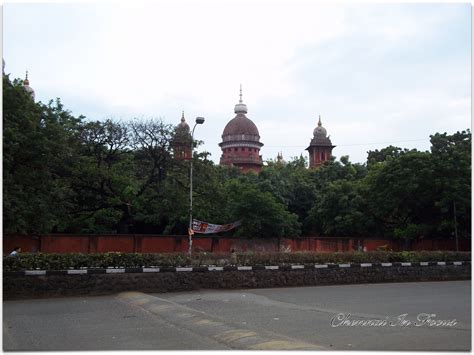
x,y
144,243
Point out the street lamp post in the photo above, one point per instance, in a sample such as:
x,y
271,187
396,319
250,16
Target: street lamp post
x,y
199,120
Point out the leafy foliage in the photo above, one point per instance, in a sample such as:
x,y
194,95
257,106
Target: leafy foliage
x,y
65,174
38,155
339,211
261,214
137,260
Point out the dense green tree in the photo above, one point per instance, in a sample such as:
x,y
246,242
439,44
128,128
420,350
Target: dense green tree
x,y
166,210
399,195
451,159
122,168
103,177
260,212
210,195
385,154
291,184
333,170
412,194
339,211
38,152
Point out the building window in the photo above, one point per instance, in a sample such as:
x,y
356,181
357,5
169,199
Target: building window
x,y
236,149
322,156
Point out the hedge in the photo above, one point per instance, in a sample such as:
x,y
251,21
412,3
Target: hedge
x,y
41,261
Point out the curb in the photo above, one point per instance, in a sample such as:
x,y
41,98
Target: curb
x,y
91,271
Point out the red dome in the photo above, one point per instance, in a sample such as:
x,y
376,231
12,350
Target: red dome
x,y
241,142
240,125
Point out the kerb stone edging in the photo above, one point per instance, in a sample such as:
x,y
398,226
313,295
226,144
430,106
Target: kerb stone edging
x,y
111,270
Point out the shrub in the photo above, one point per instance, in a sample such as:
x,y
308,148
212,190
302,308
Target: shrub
x,y
44,261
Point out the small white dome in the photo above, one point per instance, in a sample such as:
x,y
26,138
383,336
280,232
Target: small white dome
x,y
240,108
320,130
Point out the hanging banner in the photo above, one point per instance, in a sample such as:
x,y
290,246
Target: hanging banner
x,y
208,228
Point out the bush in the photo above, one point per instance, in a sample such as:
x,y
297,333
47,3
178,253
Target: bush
x,y
348,257
43,261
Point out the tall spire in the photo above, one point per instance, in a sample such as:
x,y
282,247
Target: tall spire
x,y
240,107
182,117
319,122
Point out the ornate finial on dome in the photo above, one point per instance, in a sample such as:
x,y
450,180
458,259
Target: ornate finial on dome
x,y
26,81
183,125
320,131
240,107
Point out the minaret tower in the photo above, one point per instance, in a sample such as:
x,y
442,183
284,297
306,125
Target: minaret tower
x,y
320,147
181,142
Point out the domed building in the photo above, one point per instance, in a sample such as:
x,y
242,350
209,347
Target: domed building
x,y
241,141
181,142
27,87
320,148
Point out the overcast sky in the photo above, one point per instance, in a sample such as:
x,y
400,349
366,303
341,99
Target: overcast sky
x,y
377,74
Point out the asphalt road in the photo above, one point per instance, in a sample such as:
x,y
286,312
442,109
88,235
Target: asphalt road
x,y
322,317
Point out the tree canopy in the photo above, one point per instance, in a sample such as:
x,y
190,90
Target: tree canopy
x,y
67,174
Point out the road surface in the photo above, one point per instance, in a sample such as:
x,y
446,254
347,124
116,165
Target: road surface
x,y
395,316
